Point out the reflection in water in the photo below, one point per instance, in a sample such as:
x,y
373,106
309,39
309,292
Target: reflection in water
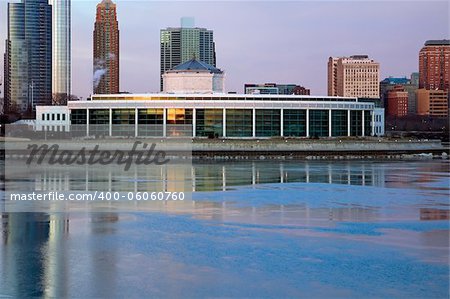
x,y
202,177
238,232
34,254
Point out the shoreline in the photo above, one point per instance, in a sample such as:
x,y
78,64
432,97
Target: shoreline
x,y
369,148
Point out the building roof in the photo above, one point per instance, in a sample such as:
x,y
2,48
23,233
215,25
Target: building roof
x,y
435,42
392,80
196,65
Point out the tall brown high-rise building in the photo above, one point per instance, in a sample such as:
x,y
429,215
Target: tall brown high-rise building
x,y
106,49
434,65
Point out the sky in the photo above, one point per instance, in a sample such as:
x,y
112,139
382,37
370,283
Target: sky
x,y
260,41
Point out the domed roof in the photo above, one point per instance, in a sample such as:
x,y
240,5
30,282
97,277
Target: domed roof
x,y
196,65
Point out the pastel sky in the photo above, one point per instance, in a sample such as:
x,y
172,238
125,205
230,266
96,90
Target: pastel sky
x,y
270,41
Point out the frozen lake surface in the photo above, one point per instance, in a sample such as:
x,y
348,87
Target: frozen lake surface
x,y
254,229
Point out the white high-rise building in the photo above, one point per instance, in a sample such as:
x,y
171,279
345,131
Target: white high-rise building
x,y
62,58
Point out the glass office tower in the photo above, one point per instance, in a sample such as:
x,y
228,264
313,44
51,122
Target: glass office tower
x,y
61,67
28,58
184,43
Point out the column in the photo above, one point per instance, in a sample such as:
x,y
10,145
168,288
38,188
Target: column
x,y
165,122
372,127
110,122
194,122
87,122
329,123
307,122
282,122
363,133
254,122
136,122
348,123
224,123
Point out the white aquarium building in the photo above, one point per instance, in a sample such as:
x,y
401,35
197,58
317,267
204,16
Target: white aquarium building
x,y
194,76
214,115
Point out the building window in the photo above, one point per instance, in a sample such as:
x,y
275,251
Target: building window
x,y
268,122
239,123
318,123
123,121
339,123
294,123
209,122
179,122
355,123
99,122
150,122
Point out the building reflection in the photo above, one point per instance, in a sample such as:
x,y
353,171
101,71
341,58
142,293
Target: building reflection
x,y
33,254
202,176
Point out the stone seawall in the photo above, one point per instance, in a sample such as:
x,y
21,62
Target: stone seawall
x,y
261,149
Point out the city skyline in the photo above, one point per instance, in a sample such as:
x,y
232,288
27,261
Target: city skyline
x,y
246,55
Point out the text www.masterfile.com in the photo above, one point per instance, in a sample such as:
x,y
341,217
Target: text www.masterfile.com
x,y
97,196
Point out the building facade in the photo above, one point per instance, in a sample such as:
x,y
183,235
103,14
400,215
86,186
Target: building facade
x,y
434,65
397,101
28,56
274,88
194,76
62,56
432,102
183,43
106,49
224,115
409,85
354,76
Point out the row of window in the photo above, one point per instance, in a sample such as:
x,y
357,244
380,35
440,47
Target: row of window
x,y
210,122
53,116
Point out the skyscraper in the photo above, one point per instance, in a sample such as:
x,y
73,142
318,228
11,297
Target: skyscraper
x,y
28,56
434,65
184,43
106,49
61,66
354,76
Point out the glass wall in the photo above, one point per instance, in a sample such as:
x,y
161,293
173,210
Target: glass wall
x,y
209,123
123,121
294,123
318,123
355,123
99,122
179,122
268,122
239,123
367,123
339,123
150,122
78,122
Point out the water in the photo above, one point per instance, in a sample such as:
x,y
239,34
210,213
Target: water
x,y
254,229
